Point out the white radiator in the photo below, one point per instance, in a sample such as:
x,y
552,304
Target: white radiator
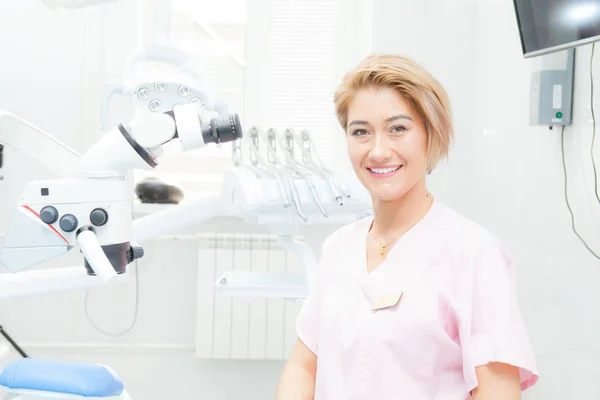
x,y
243,328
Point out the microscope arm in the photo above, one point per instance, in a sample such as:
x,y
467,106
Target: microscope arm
x,y
139,145
35,143
125,147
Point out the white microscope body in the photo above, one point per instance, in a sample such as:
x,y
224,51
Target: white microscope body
x,y
90,205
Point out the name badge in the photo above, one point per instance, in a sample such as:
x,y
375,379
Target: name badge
x,y
386,300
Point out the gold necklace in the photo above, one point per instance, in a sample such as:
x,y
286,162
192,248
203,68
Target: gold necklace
x,y
383,247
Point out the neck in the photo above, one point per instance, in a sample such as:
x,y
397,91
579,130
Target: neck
x,y
393,217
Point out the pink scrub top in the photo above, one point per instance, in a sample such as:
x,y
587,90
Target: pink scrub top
x,y
457,310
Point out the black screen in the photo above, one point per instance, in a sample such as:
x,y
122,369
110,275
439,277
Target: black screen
x,y
545,24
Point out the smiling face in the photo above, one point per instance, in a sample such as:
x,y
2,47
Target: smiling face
x,y
387,143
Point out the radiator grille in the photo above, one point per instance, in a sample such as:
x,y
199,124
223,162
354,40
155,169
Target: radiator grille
x,y
240,328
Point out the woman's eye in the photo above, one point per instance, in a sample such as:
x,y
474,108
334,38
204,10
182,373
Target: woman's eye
x,y
359,132
399,129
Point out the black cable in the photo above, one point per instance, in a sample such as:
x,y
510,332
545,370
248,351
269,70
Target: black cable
x,y
562,148
593,122
1,159
13,343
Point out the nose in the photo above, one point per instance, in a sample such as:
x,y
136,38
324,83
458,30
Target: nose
x,y
380,148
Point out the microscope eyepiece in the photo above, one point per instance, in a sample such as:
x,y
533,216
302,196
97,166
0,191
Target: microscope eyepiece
x,y
222,130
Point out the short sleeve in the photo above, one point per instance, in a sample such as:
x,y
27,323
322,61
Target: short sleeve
x,y
490,324
309,319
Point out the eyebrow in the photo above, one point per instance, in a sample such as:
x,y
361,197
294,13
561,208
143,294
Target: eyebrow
x,y
390,119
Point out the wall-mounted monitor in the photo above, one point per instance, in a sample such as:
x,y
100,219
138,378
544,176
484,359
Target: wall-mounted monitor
x,y
546,26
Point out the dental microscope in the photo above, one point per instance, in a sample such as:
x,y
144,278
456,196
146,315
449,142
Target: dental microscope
x,y
89,205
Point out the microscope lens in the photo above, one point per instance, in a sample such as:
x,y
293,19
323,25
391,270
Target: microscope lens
x,y
222,130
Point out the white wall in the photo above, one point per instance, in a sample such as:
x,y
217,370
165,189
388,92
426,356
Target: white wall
x,y
508,175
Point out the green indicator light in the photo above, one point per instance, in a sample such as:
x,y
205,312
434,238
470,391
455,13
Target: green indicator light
x,y
559,115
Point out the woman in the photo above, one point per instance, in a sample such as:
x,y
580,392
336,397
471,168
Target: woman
x,y
416,302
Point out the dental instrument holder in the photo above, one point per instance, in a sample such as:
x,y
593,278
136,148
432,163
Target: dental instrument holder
x,y
263,198
89,205
260,200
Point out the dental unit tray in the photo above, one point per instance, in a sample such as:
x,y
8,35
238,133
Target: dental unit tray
x,y
259,201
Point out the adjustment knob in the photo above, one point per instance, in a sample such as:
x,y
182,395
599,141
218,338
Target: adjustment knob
x,y
68,223
134,253
98,217
49,214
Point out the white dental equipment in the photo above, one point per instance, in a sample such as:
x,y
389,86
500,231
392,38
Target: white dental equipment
x,y
285,192
261,190
89,206
284,189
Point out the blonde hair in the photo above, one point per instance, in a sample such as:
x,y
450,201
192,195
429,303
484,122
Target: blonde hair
x,y
415,84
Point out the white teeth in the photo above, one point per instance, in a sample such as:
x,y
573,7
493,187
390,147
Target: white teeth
x,y
384,170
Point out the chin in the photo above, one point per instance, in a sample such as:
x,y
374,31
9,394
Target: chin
x,y
386,190
387,195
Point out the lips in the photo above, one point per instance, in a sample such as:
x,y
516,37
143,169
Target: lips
x,y
384,172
